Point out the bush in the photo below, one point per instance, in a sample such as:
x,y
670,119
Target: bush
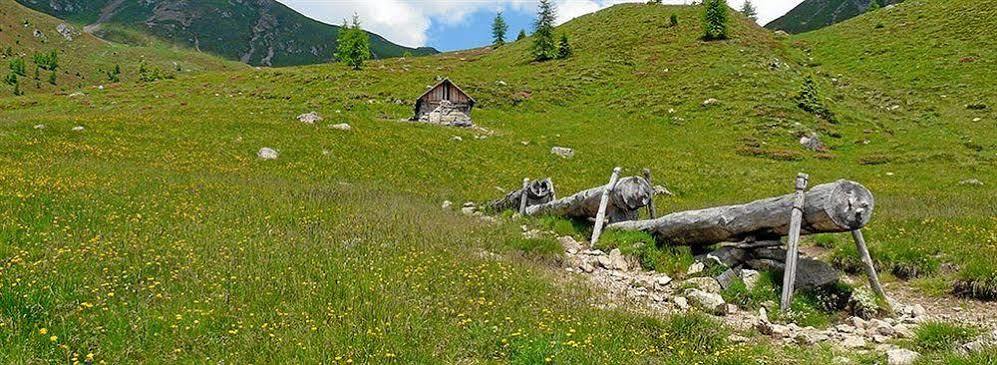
x,y
673,20
353,46
809,100
47,61
17,67
715,20
150,74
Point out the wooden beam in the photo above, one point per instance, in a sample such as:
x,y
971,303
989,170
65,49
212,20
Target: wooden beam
x,y
793,247
600,218
522,199
870,269
652,211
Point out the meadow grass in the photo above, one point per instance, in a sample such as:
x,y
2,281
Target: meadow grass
x,y
157,235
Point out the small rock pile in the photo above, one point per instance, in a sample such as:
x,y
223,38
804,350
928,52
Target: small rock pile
x,y
449,115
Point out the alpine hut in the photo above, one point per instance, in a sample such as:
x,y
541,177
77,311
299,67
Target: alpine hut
x,y
445,104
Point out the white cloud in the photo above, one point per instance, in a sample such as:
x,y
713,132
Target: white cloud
x,y
407,22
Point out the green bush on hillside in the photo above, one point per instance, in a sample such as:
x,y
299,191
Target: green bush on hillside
x,y
150,74
564,48
47,61
715,20
17,67
354,44
809,100
673,21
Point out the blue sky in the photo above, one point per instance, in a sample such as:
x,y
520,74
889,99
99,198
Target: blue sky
x,y
451,25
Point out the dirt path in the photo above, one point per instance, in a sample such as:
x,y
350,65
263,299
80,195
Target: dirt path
x,y
105,15
947,308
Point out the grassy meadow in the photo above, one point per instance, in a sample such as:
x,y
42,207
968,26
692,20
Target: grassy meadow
x,y
156,235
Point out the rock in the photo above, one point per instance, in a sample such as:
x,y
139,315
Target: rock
x,y
38,34
604,262
976,106
903,331
853,342
341,126
65,30
918,310
456,139
763,314
805,339
267,153
570,245
617,261
447,204
40,126
78,128
781,34
981,344
310,118
663,280
563,152
708,302
709,285
731,309
881,327
841,360
812,143
901,357
971,182
470,211
750,278
681,302
863,304
661,190
727,278
776,331
710,102
696,269
880,339
586,267
857,322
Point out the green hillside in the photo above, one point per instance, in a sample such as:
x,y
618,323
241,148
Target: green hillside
x,y
81,59
815,14
162,237
263,33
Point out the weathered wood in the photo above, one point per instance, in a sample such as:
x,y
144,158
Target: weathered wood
x,y
631,194
652,211
537,192
600,217
840,206
870,269
522,197
793,246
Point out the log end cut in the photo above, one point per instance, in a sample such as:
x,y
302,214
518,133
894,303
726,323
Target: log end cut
x,y
852,205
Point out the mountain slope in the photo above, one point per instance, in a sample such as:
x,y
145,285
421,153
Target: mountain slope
x,y
164,220
83,59
816,14
257,32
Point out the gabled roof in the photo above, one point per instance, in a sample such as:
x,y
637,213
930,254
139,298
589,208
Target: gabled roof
x,y
447,81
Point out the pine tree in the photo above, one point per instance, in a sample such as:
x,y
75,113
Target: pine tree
x,y
715,20
522,35
354,44
564,48
543,36
749,10
499,28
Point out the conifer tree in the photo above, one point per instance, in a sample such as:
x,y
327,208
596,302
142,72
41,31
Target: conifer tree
x,y
749,10
522,35
499,28
563,47
715,20
51,78
354,44
543,36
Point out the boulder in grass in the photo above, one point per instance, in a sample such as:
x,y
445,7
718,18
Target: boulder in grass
x,y
78,128
310,118
563,152
341,127
711,303
901,357
267,153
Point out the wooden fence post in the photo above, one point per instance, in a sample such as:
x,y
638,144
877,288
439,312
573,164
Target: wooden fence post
x,y
652,211
793,247
600,218
870,269
522,198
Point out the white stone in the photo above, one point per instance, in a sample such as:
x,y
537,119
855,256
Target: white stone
x,y
570,245
341,126
901,357
696,268
617,261
78,128
709,285
310,118
681,302
267,153
447,204
853,342
40,126
663,280
711,102
750,278
708,302
563,152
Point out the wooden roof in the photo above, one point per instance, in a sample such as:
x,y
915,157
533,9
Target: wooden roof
x,y
447,81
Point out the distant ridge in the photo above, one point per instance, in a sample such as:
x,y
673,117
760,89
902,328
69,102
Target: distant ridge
x,y
815,14
256,32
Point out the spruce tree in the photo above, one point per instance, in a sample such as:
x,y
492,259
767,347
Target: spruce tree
x,y
354,44
563,47
749,10
715,20
543,37
522,35
499,28
673,20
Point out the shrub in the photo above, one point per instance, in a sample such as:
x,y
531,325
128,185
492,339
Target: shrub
x,y
564,48
48,61
150,74
715,20
809,100
353,44
17,67
673,20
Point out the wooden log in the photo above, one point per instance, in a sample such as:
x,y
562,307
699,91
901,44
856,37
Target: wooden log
x,y
631,194
522,197
600,217
840,206
793,246
870,268
538,192
652,211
